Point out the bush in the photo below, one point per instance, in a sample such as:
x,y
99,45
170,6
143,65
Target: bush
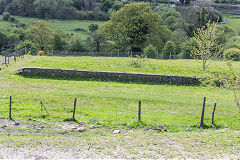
x,y
169,50
232,54
6,16
11,19
92,27
150,51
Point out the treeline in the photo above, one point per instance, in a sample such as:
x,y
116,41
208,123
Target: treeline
x,y
61,9
166,31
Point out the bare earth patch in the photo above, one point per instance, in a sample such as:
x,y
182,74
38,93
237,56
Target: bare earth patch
x,y
103,143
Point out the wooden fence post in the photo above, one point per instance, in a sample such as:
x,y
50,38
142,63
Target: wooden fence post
x,y
215,104
74,109
10,108
203,110
139,111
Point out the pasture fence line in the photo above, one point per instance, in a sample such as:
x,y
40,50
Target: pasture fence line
x,y
7,55
137,111
93,54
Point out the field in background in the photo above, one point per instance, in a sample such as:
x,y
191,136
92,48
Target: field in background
x,y
67,26
112,103
234,23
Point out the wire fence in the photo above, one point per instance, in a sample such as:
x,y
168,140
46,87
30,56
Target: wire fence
x,y
8,56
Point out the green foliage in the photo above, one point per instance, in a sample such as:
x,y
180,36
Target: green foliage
x,y
59,41
132,26
41,34
75,44
150,51
169,50
207,45
186,48
11,19
93,27
3,40
95,41
232,54
138,62
6,16
28,45
170,16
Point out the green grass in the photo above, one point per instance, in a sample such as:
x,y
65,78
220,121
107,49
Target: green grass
x,y
166,67
112,103
233,22
67,26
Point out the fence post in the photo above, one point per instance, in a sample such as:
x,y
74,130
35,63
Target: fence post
x,y
10,108
74,109
203,110
139,111
214,108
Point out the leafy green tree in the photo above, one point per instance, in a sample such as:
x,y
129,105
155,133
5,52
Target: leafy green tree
x,y
3,40
133,25
169,50
79,4
95,41
116,6
208,48
41,34
28,45
186,48
150,51
75,44
59,42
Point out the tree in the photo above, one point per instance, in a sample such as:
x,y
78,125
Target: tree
x,y
42,34
150,51
59,42
169,50
208,48
3,40
132,26
96,40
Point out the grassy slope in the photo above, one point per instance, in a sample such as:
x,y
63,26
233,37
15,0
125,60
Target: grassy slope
x,y
67,26
169,67
113,103
234,23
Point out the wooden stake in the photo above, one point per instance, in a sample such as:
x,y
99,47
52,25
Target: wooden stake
x,y
10,108
139,111
74,109
215,104
203,110
44,107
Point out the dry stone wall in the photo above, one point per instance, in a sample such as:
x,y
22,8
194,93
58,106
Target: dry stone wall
x,y
108,76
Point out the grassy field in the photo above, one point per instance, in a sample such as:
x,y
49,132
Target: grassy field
x,y
67,26
154,66
110,106
234,23
112,103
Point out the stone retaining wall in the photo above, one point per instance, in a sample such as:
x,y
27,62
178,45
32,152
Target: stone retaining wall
x,y
108,76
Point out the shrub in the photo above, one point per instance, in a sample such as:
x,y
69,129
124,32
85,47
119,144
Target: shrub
x,y
92,27
150,51
6,16
138,62
11,19
232,54
168,50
